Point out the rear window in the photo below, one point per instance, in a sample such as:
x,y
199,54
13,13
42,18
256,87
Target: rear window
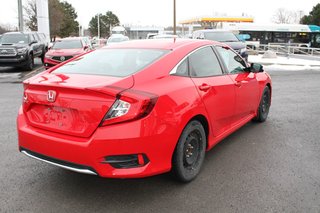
x,y
112,62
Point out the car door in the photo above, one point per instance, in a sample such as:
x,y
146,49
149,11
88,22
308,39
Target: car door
x,y
215,88
35,46
245,83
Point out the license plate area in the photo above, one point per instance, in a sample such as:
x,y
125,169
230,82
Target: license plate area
x,y
55,117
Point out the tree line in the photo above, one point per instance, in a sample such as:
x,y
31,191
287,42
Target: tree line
x,y
62,18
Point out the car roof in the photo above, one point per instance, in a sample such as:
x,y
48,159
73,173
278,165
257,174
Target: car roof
x,y
167,44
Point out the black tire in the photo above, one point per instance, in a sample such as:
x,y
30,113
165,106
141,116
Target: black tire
x,y
190,152
264,106
30,63
42,58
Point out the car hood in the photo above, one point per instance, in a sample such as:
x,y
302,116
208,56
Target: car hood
x,y
13,45
236,45
65,52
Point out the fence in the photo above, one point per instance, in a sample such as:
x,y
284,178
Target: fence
x,y
285,49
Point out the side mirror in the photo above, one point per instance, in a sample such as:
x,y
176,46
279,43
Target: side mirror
x,y
254,67
86,47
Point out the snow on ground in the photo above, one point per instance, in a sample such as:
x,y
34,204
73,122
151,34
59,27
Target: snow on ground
x,y
285,63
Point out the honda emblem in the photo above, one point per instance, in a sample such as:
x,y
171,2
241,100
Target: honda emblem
x,y
51,96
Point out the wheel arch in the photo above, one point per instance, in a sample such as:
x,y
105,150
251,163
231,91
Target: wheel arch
x,y
203,120
270,88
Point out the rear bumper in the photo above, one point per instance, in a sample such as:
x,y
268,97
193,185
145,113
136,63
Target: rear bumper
x,y
90,153
59,163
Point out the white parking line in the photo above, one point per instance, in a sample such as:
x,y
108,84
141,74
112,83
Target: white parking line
x,y
30,73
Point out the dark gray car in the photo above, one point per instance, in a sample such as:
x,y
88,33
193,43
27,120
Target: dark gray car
x,y
223,36
19,49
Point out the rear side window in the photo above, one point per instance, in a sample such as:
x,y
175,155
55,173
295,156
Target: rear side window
x,y
112,62
204,62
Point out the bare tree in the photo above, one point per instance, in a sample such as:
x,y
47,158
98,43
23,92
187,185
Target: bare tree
x,y
282,16
2,30
31,15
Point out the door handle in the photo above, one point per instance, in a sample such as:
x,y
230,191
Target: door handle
x,y
238,83
204,87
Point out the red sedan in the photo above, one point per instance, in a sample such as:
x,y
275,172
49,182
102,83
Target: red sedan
x,y
141,108
64,49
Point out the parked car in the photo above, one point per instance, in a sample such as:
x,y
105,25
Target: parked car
x,y
223,36
64,49
141,108
19,49
164,36
151,35
116,39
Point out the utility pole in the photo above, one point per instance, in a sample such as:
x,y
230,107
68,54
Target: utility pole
x,y
43,17
98,26
20,15
174,18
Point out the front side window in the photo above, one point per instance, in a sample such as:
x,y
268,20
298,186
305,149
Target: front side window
x,y
112,62
233,62
204,63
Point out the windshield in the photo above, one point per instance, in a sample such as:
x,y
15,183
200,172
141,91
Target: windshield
x,y
117,39
112,62
221,36
67,44
15,39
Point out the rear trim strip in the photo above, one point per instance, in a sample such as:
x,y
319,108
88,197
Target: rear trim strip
x,y
59,163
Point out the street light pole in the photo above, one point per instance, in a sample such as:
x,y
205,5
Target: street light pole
x,y
174,18
20,15
98,26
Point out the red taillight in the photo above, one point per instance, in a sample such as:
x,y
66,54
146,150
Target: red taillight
x,y
130,105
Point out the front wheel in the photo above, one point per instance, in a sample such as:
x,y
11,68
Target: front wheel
x,y
30,63
190,152
264,106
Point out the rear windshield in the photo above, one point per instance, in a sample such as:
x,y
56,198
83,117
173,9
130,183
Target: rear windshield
x,y
221,36
15,39
112,62
67,44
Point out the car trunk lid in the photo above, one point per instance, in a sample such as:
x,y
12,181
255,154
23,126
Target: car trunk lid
x,y
71,104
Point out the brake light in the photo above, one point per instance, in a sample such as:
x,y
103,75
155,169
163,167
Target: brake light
x,y
130,105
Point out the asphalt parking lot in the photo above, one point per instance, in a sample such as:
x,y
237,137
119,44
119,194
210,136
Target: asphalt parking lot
x,y
16,75
268,167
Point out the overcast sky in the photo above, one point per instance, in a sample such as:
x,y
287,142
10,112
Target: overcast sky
x,y
159,12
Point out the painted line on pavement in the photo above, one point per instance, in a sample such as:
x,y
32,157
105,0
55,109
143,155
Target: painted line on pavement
x,y
30,73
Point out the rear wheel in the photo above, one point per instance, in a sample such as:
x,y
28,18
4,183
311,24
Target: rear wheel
x,y
190,152
264,106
